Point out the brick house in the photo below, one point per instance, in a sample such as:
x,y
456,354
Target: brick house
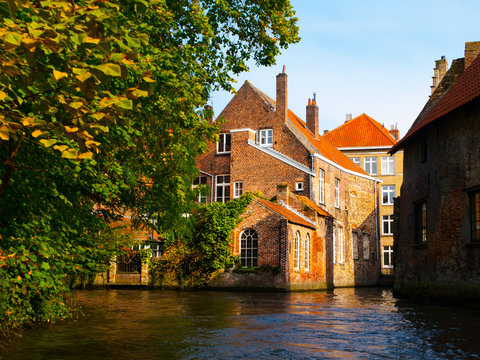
x,y
367,142
437,237
262,144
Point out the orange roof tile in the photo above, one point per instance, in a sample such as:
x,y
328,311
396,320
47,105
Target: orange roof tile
x,y
286,213
324,147
314,206
362,131
464,90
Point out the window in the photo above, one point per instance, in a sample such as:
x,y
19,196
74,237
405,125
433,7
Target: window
x,y
337,193
202,192
248,248
387,221
340,245
365,247
223,144
321,178
334,245
356,160
266,137
475,215
222,188
388,165
371,165
421,222
237,189
307,252
355,246
388,193
299,186
387,257
296,253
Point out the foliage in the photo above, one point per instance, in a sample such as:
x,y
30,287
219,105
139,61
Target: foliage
x,y
99,112
192,260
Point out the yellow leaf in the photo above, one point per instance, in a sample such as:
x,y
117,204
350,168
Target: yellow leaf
x,y
13,38
110,69
98,116
76,104
70,154
86,155
59,74
37,133
3,95
4,134
101,127
19,278
84,76
147,79
88,143
139,93
48,143
61,148
90,40
69,129
28,121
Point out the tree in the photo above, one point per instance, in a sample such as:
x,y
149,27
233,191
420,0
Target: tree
x,y
100,111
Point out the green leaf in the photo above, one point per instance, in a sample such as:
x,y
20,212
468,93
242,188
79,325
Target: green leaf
x,y
139,93
125,104
13,38
47,143
110,69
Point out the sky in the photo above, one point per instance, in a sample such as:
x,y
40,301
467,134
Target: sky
x,y
372,57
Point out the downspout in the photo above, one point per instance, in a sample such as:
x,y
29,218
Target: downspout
x,y
310,178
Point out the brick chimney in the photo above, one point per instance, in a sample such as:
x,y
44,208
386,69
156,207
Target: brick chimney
x,y
472,49
394,132
282,95
282,193
441,67
312,117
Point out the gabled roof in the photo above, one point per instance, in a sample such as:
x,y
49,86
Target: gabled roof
x,y
312,205
362,131
321,145
286,213
465,89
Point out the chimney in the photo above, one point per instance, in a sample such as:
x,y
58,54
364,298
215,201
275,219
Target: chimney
x,y
348,117
282,104
312,117
472,49
208,113
282,193
440,69
325,132
394,132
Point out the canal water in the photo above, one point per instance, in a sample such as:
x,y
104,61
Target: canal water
x,y
365,323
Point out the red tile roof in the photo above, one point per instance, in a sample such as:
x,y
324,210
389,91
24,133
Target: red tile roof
x,y
464,90
324,147
286,213
362,131
314,206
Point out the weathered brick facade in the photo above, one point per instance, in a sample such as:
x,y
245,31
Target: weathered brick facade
x,y
438,255
269,145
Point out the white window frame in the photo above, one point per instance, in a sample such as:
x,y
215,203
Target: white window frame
x,y
334,246
296,251
341,257
225,193
200,194
389,192
387,250
357,161
321,179
246,260
266,137
388,165
299,186
368,163
307,252
387,220
337,193
223,137
237,189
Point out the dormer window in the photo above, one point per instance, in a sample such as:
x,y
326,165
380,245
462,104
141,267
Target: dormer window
x,y
223,144
266,137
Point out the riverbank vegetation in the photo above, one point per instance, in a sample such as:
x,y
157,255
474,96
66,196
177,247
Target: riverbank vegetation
x,y
101,118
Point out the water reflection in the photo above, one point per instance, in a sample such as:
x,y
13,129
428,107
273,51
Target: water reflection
x,y
346,323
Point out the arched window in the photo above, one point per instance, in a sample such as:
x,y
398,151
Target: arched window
x,y
296,253
307,252
248,248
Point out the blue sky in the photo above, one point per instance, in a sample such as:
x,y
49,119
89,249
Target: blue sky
x,y
373,57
